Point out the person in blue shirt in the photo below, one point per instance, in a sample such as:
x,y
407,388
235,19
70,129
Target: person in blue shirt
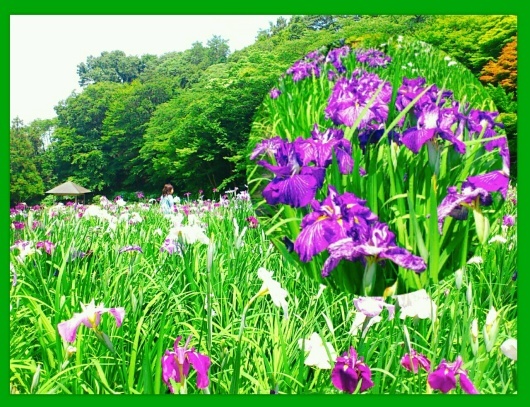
x,y
166,200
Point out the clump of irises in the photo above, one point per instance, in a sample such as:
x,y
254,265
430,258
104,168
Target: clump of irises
x,y
308,66
444,377
373,57
381,161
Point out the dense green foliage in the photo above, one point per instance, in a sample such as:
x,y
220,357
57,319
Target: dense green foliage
x,y
500,77
112,66
30,166
472,40
185,117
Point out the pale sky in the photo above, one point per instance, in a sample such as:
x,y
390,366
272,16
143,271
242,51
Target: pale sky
x,y
45,49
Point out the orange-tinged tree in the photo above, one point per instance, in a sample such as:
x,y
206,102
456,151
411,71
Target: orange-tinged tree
x,y
503,71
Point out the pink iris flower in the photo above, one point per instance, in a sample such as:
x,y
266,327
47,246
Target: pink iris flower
x,y
413,360
176,365
90,317
444,377
349,370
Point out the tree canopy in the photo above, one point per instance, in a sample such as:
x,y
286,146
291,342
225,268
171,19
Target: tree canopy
x,y
185,117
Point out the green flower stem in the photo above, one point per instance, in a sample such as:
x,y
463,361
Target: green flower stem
x,y
120,367
369,276
234,386
434,237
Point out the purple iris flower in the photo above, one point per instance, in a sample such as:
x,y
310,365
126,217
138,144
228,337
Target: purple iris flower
x,y
21,206
275,93
325,143
320,228
508,220
373,306
444,377
351,96
295,183
131,248
411,88
495,181
478,120
333,219
335,58
176,365
171,246
355,213
377,246
252,222
414,360
18,225
474,189
349,370
308,66
373,57
46,245
268,146
432,121
455,204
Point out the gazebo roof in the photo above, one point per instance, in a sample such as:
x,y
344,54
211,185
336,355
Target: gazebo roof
x,y
68,188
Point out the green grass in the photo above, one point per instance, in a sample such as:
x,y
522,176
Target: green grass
x,y
165,296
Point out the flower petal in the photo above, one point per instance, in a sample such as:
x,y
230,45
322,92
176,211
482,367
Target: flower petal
x,y
68,329
466,384
119,314
509,348
404,259
369,306
201,363
491,182
414,138
442,379
169,369
344,378
316,237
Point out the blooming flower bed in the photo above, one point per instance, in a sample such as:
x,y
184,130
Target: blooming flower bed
x,y
379,166
355,268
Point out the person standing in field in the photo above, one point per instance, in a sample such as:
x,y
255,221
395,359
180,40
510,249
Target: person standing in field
x,y
166,200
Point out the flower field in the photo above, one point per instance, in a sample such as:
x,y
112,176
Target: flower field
x,y
373,252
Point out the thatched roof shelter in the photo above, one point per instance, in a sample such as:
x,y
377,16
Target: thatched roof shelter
x,y
69,189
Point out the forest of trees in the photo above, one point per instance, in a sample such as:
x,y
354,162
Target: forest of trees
x,y
185,117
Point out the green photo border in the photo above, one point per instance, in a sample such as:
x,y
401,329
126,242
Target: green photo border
x,y
268,7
